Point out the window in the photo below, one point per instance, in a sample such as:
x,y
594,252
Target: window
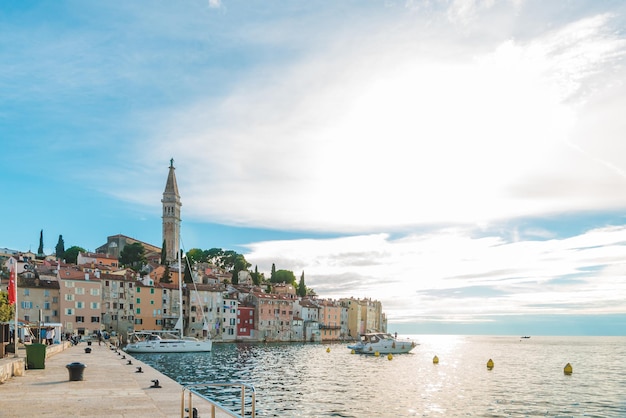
x,y
26,292
46,306
152,291
46,292
151,302
138,311
79,305
69,283
131,306
69,297
94,292
130,285
27,305
95,319
138,290
95,305
138,300
55,299
121,306
79,290
139,321
80,319
27,318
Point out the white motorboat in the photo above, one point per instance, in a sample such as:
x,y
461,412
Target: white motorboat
x,y
381,343
165,342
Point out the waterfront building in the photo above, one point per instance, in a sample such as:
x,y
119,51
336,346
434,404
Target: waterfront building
x,y
118,294
309,311
148,306
38,300
97,260
364,315
245,323
80,301
205,301
330,320
230,304
275,314
116,243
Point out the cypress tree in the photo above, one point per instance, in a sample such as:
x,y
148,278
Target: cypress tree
x,y
163,254
301,286
59,250
40,250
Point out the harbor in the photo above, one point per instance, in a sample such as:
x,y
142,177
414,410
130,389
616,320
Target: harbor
x,y
114,384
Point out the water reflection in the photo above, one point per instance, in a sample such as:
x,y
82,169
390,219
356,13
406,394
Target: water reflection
x,y
306,381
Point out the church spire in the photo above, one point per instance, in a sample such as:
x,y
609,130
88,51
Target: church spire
x,y
171,215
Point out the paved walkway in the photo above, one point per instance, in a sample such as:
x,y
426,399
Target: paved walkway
x,y
110,387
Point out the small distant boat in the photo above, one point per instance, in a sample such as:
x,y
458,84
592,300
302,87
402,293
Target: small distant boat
x,y
381,343
165,342
525,336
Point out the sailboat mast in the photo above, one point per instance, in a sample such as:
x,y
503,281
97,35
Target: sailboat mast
x,y
180,293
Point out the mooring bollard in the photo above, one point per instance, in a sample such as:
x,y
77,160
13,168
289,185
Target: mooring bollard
x,y
76,371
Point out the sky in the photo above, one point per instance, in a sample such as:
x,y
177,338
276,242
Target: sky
x,y
463,162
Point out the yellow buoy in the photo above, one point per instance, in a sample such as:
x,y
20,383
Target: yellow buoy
x,y
352,352
389,356
328,350
377,354
435,360
568,369
490,364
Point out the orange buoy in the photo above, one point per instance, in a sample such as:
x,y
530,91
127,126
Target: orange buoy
x,y
389,356
490,364
568,369
328,350
435,360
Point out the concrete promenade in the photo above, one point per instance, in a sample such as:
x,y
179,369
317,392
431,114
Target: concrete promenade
x,y
110,388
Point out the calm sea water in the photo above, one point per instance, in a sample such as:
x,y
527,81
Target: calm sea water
x,y
304,380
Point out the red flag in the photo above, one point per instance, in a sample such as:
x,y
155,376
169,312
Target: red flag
x,y
12,286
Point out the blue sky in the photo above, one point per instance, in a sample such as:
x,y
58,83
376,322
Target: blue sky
x,y
461,161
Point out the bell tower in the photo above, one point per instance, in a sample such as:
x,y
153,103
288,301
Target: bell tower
x,y
171,216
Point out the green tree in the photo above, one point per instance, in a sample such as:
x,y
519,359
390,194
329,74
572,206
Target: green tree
x,y
40,249
273,273
301,286
6,312
167,275
256,276
163,254
71,254
59,250
187,277
284,276
196,255
133,256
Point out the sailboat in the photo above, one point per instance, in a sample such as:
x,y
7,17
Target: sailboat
x,y
168,341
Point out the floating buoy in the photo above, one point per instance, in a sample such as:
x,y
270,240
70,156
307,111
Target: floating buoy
x,y
389,356
490,364
568,369
352,351
377,354
435,360
328,350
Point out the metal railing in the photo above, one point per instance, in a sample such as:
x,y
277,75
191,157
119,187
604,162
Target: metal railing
x,y
191,390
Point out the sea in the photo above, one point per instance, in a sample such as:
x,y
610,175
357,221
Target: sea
x,y
327,380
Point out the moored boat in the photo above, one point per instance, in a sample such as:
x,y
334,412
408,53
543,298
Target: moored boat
x,y
381,343
165,342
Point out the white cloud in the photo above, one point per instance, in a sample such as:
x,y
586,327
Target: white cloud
x,y
386,132
454,275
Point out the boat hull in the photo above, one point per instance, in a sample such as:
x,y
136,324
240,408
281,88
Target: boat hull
x,y
165,346
381,343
